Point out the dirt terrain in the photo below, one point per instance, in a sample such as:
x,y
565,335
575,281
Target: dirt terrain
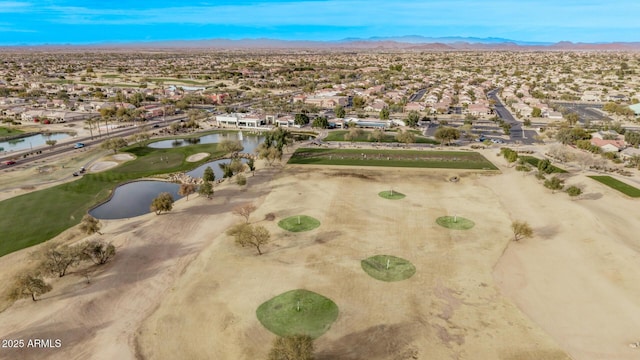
x,y
180,288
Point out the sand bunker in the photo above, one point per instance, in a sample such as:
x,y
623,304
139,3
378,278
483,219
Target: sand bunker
x,y
122,157
102,165
197,157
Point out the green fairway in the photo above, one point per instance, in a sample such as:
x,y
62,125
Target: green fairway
x,y
36,217
618,185
9,132
338,135
392,158
455,222
298,312
391,195
388,268
534,162
299,223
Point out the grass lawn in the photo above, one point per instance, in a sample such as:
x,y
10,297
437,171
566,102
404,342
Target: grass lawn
x,y
38,216
299,223
391,195
183,81
298,312
392,158
534,161
455,223
618,185
8,131
398,269
338,135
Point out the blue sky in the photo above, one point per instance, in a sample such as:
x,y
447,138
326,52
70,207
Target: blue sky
x,y
90,21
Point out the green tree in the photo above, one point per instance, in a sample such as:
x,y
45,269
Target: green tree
x,y
510,155
632,137
208,174
227,171
29,285
251,164
114,144
51,143
555,183
358,102
571,135
206,189
446,134
384,113
186,190
412,118
405,136
163,202
521,230
536,113
574,191
296,347
339,111
90,225
98,251
301,119
250,235
320,122
544,166
572,118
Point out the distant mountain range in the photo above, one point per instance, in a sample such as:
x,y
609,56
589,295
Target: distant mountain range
x,y
409,42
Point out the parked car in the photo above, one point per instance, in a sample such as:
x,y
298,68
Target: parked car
x,y
76,174
82,170
10,162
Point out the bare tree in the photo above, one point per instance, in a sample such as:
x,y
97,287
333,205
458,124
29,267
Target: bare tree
x,y
244,211
98,251
521,230
248,235
186,190
30,285
90,225
56,260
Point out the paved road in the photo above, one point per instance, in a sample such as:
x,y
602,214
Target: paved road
x,y
518,134
68,147
418,95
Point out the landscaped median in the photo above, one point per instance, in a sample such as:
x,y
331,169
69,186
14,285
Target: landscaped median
x,y
392,158
38,216
618,185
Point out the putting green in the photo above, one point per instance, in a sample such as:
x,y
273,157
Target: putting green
x,y
391,195
455,223
388,268
299,223
298,312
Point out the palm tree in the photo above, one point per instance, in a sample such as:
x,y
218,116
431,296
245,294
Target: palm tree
x,y
89,123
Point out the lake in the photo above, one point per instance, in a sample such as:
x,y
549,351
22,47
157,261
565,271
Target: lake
x,y
133,199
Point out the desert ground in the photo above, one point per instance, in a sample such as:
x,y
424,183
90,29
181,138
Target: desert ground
x,y
180,288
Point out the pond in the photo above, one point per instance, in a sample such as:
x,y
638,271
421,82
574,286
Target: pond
x,y
199,171
30,142
133,199
249,141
